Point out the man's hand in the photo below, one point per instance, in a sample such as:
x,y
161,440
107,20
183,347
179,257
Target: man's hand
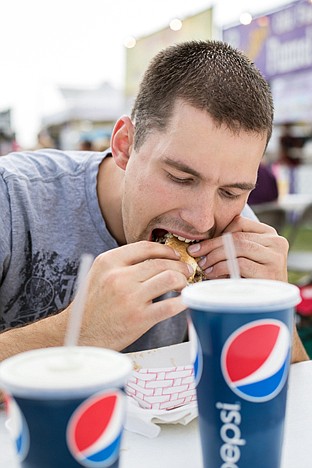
x,y
122,284
261,252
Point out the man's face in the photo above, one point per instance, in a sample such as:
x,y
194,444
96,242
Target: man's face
x,y
192,179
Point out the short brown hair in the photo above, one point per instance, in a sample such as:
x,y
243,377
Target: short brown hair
x,y
209,75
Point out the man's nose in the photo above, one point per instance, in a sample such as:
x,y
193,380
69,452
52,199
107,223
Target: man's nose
x,y
200,213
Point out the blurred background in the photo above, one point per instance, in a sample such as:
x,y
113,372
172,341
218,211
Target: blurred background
x,y
70,68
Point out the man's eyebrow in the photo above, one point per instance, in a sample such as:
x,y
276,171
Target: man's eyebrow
x,y
185,168
241,186
181,167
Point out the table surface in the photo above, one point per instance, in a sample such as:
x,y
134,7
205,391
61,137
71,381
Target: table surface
x,y
178,446
295,201
292,203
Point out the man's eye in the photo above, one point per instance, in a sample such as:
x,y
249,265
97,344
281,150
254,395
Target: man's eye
x,y
180,180
230,195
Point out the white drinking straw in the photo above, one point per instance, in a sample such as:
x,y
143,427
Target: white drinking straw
x,y
231,255
75,319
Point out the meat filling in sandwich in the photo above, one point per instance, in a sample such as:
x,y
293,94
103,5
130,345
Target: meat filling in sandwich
x,y
181,246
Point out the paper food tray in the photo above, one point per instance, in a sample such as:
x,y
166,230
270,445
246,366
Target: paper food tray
x,y
162,378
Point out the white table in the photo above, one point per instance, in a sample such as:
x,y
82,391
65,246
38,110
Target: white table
x,y
295,202
179,446
292,203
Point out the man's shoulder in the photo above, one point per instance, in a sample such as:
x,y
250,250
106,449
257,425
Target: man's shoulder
x,y
45,162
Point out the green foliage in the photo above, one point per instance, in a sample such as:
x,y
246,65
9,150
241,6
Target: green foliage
x,y
303,240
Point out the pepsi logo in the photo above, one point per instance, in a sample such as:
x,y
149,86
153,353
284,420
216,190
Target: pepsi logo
x,y
17,427
95,428
196,352
255,360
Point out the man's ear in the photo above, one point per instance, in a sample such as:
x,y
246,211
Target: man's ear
x,y
122,141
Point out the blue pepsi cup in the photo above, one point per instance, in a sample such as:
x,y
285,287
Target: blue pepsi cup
x,y
66,406
242,330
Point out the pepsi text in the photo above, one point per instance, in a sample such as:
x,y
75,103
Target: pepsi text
x,y
230,433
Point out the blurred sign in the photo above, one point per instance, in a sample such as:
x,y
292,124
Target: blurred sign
x,y
293,97
279,42
197,27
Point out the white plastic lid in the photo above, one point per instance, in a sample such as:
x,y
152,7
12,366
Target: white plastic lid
x,y
241,295
63,371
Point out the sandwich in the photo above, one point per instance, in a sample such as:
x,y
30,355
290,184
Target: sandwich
x,y
181,246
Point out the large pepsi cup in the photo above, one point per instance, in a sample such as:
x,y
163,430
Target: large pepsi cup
x,y
243,334
66,406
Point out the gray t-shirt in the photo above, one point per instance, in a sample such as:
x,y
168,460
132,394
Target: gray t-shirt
x,y
49,217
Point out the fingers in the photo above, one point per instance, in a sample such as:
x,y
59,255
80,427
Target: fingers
x,y
140,263
152,267
247,269
165,309
241,224
120,308
122,286
261,253
149,279
238,225
256,247
118,283
162,283
138,252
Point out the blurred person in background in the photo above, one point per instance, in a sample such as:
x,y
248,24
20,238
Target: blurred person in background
x,y
291,152
290,146
266,189
86,145
185,163
45,140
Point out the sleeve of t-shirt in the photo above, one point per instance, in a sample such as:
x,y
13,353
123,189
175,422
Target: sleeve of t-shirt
x,y
5,228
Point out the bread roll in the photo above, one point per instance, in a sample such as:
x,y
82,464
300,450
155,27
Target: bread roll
x,y
181,247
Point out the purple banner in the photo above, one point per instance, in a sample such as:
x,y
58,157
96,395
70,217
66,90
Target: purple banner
x,y
278,42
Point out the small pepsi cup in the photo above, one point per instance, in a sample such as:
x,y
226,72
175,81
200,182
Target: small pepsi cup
x,y
66,406
242,331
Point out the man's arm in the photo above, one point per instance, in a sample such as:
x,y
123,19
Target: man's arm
x,y
119,306
298,351
44,333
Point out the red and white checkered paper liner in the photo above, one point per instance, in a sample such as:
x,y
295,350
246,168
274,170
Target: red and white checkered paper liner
x,y
162,388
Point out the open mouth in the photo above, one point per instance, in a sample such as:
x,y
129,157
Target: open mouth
x,y
180,244
161,235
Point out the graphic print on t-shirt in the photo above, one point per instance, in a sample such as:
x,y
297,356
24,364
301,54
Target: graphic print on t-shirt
x,y
47,285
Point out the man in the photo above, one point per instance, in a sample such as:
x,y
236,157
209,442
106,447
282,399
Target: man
x,y
184,163
266,190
